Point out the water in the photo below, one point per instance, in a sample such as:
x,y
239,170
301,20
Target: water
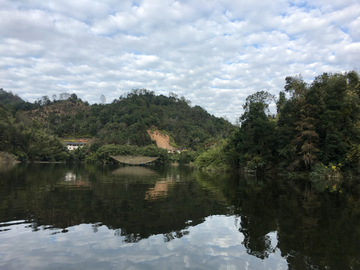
x,y
57,216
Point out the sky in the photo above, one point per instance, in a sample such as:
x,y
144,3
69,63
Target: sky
x,y
214,53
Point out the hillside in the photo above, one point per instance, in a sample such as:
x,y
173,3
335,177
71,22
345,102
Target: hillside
x,y
27,140
57,110
132,124
162,140
127,120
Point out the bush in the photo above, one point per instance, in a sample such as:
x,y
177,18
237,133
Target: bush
x,y
214,158
187,157
319,173
6,157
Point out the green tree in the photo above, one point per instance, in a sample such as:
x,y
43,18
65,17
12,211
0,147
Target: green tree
x,y
255,141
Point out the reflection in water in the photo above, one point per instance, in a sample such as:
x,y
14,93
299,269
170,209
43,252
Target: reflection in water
x,y
6,166
75,181
93,217
81,248
70,177
134,171
256,240
160,190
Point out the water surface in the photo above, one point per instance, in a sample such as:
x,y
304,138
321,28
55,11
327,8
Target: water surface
x,y
57,216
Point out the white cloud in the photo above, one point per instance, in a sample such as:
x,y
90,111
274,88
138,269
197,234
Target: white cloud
x,y
216,53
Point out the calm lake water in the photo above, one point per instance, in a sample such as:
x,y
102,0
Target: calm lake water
x,y
58,216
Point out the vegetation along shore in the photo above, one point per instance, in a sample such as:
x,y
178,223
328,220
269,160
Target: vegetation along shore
x,y
314,130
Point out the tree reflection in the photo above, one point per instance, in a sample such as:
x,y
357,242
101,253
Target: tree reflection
x,y
256,242
315,229
173,235
136,202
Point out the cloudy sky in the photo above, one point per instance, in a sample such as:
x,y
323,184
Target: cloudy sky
x,y
214,53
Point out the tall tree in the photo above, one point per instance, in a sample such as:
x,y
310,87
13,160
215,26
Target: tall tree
x,y
256,133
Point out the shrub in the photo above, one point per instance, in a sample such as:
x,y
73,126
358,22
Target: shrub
x,y
6,157
214,158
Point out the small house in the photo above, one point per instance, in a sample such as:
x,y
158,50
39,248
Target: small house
x,y
74,145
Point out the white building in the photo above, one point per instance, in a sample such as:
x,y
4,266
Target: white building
x,y
74,145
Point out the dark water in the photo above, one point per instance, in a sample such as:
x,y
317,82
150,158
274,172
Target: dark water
x,y
57,216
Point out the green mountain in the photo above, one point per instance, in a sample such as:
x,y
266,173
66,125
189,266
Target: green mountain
x,y
125,121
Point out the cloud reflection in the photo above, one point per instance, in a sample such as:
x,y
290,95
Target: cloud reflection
x,y
214,244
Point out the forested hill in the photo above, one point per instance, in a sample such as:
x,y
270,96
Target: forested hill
x,y
125,120
14,102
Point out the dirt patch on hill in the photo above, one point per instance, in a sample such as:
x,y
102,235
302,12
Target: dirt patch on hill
x,y
59,108
162,140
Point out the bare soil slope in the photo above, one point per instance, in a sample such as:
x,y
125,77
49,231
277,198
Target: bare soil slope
x,y
162,140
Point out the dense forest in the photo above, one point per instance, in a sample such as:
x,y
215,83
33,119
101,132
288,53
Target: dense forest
x,y
316,128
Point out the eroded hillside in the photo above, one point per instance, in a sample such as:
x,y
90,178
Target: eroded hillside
x,y
162,139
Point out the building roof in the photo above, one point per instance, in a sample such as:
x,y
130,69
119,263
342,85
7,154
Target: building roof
x,y
75,143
